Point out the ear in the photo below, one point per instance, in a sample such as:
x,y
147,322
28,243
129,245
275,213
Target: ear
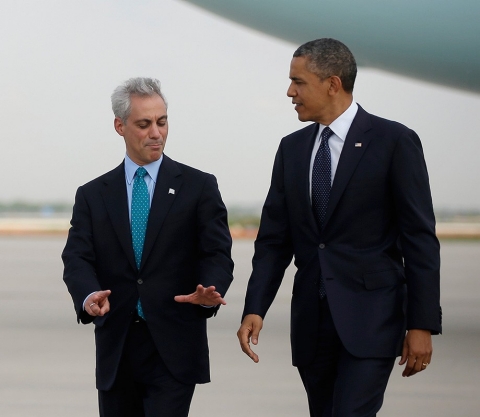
x,y
119,125
335,85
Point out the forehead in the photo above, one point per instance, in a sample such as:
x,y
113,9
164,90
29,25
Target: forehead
x,y
151,107
299,67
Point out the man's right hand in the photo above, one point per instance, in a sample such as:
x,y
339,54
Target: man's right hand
x,y
97,304
250,329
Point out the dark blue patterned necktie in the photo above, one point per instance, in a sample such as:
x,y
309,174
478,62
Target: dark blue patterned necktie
x,y
139,219
321,185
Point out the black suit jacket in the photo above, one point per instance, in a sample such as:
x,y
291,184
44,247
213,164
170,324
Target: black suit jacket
x,y
377,251
187,243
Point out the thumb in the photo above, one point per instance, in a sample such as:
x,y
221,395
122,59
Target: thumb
x,y
181,298
255,334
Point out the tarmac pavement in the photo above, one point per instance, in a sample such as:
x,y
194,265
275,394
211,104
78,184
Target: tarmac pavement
x,y
47,360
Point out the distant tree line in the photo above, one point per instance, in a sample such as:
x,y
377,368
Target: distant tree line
x,y
23,207
238,215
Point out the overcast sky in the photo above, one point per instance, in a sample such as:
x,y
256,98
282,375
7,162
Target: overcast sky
x,y
225,85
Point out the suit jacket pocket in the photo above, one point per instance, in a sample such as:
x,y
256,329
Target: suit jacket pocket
x,y
380,279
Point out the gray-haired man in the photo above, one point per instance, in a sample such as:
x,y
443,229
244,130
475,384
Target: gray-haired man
x,y
142,235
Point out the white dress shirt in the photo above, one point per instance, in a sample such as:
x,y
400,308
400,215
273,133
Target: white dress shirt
x,y
340,127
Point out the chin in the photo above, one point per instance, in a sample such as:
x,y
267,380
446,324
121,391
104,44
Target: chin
x,y
155,156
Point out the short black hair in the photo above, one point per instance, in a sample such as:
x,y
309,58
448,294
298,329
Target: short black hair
x,y
327,57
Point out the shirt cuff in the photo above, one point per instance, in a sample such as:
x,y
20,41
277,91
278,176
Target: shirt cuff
x,y
84,301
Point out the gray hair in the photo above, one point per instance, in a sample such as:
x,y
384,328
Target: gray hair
x,y
139,86
328,57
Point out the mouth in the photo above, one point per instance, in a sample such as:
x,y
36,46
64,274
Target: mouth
x,y
156,145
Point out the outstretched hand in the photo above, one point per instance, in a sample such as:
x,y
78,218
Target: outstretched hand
x,y
250,329
417,351
97,304
204,296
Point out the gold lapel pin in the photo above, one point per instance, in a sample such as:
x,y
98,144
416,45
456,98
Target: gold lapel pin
x,y
358,144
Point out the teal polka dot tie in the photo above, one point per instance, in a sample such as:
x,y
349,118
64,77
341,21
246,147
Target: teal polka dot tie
x,y
139,219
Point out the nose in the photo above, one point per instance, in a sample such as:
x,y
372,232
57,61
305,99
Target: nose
x,y
291,90
154,132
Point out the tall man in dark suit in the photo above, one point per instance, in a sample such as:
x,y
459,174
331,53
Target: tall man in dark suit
x,y
147,260
350,200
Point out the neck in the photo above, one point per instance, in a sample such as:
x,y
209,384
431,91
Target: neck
x,y
337,108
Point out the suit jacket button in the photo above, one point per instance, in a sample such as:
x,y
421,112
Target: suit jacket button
x,y
322,246
139,281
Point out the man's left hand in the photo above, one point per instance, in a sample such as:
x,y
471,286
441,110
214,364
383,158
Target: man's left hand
x,y
204,296
417,351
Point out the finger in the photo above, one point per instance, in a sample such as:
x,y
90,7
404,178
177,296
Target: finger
x,y
209,293
252,355
409,366
211,301
414,367
255,335
92,309
204,291
105,308
215,298
221,301
99,296
208,296
429,357
182,298
425,363
418,367
243,336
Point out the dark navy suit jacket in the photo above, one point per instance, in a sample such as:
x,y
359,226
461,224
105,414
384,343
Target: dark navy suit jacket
x,y
377,251
187,243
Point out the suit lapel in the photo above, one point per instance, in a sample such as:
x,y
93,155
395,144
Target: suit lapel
x,y
349,158
167,187
116,202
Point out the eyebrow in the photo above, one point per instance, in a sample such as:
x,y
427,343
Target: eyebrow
x,y
164,117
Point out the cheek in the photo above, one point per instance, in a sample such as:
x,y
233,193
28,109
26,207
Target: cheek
x,y
307,99
138,143
164,133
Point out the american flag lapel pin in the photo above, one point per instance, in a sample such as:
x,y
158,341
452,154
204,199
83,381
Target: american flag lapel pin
x,y
171,191
358,144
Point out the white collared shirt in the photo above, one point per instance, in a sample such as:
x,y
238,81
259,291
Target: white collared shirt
x,y
340,127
